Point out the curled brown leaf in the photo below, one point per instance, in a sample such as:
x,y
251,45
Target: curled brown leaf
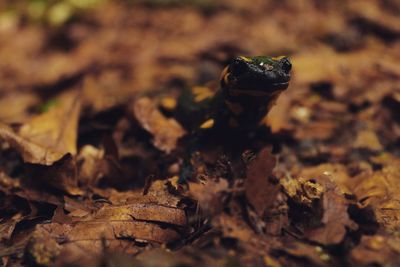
x,y
166,131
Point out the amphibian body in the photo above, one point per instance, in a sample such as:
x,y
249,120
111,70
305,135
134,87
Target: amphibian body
x,y
249,88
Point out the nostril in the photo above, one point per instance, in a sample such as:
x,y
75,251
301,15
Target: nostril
x,y
286,64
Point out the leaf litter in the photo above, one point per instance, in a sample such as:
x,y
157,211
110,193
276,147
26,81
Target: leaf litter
x,y
90,160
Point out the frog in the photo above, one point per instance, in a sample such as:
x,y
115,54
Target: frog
x,y
249,88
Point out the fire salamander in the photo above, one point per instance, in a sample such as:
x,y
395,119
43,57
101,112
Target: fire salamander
x,y
249,88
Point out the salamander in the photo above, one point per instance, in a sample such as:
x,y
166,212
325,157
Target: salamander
x,y
249,87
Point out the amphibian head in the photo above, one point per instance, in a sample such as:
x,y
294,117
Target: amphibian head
x,y
259,75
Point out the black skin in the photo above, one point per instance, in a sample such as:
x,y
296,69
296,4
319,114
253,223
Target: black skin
x,y
249,88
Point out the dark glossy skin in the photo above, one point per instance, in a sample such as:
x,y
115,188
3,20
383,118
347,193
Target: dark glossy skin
x,y
262,75
249,88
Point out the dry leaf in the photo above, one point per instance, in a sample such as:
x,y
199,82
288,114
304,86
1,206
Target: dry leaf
x,y
135,221
260,192
375,19
30,152
42,250
335,220
20,103
234,227
63,174
142,212
378,249
47,137
91,159
381,191
314,254
331,227
338,174
340,112
209,194
166,131
302,190
157,193
7,227
367,139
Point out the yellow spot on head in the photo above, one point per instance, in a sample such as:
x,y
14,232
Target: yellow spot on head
x,y
201,93
223,73
278,58
168,103
207,124
226,81
245,58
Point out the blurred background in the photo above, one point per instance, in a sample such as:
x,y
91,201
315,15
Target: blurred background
x,y
121,47
346,52
70,70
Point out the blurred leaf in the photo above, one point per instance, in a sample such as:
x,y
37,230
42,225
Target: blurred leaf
x,y
47,137
166,131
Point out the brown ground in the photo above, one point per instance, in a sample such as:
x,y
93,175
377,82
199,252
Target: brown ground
x,y
89,164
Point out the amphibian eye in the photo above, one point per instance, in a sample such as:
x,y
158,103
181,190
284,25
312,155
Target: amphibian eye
x,y
286,64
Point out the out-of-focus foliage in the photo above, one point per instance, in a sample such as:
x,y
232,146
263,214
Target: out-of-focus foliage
x,y
92,146
52,12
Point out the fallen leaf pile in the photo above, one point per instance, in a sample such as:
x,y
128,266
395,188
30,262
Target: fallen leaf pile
x,y
92,151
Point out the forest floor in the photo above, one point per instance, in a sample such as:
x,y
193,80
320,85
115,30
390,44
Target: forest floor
x,y
90,161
